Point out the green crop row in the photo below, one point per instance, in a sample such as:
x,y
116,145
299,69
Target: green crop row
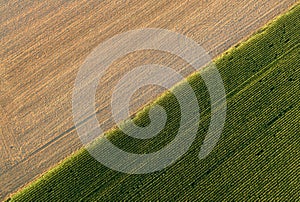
x,y
257,156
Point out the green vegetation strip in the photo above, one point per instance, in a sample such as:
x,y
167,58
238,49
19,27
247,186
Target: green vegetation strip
x,y
257,156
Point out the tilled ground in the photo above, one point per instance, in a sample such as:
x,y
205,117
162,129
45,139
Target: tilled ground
x,y
43,45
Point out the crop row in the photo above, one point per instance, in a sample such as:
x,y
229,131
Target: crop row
x,y
256,156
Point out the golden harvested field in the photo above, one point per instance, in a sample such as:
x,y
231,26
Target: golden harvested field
x,y
43,45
